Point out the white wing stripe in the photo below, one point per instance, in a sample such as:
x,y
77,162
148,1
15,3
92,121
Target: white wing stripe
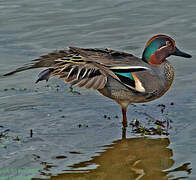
x,y
129,67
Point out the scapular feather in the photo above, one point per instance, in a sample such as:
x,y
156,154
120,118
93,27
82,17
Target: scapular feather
x,y
81,73
94,73
72,72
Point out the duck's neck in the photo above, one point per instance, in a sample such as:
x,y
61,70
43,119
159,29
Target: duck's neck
x,y
168,72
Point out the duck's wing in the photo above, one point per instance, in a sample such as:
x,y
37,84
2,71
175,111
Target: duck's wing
x,y
120,65
108,57
88,67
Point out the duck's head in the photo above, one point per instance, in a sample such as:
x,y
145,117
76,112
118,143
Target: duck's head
x,y
159,47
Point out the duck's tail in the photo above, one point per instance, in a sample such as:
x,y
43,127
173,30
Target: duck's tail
x,y
48,60
23,68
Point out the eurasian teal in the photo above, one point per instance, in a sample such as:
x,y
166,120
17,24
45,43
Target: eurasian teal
x,y
120,76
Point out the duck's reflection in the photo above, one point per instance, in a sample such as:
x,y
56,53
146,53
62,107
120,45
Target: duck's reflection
x,y
133,158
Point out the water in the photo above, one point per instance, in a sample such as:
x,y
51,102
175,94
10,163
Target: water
x,y
71,138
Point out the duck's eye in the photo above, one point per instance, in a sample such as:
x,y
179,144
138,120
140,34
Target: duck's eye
x,y
168,43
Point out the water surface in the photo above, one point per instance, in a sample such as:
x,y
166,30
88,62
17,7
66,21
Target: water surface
x,y
71,138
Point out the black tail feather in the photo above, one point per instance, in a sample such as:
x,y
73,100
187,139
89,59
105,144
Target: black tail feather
x,y
44,75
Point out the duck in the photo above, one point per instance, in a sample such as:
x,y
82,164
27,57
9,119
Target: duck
x,y
118,75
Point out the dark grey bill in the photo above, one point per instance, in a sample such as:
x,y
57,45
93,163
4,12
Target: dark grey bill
x,y
182,54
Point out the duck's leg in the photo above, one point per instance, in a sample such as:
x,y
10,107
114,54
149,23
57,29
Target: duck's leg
x,y
124,112
124,129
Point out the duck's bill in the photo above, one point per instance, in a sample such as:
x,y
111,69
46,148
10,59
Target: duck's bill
x,y
182,54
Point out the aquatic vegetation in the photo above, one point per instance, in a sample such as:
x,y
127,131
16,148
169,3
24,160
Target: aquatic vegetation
x,y
109,117
4,146
153,129
80,125
16,138
56,87
73,91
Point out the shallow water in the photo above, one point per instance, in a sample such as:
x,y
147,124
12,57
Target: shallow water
x,y
71,138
